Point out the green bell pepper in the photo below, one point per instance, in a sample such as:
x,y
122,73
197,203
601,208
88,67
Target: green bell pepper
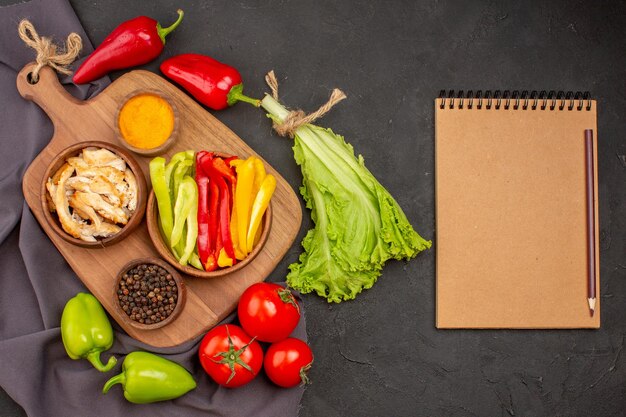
x,y
86,331
148,378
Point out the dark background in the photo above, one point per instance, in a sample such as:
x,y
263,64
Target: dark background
x,y
381,355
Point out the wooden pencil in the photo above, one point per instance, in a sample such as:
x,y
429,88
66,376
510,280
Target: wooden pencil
x,y
591,223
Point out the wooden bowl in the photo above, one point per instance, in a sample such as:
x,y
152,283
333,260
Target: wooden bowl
x,y
135,219
152,216
180,302
152,151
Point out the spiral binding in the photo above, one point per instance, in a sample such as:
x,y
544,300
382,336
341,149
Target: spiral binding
x,y
505,98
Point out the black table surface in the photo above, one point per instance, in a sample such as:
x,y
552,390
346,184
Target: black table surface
x,y
380,355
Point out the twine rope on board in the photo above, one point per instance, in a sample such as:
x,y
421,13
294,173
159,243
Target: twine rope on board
x,y
47,53
297,118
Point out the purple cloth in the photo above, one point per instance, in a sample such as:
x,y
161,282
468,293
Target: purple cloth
x,y
36,282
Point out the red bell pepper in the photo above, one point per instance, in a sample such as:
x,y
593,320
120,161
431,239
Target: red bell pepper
x,y
134,42
212,83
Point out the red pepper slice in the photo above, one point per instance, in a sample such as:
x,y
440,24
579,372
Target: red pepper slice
x,y
229,159
202,179
223,169
134,42
225,208
220,173
214,194
200,154
203,162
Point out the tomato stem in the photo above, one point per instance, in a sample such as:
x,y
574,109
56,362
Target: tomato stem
x,y
287,297
232,357
303,374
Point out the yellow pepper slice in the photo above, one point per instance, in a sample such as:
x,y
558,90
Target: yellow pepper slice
x,y
243,196
223,260
259,176
261,201
234,233
236,162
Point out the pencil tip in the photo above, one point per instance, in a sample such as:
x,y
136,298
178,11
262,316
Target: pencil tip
x,y
592,305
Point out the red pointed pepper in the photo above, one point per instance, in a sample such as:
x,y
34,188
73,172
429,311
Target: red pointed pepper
x,y
212,83
134,42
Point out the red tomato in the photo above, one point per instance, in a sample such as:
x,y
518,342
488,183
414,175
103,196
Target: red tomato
x,y
287,362
268,312
230,356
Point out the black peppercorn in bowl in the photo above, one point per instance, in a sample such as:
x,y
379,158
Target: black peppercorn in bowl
x,y
148,293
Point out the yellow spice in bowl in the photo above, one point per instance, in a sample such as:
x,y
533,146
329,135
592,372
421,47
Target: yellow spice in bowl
x,y
146,121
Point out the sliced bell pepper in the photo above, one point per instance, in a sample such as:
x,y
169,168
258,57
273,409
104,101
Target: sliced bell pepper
x,y
243,196
183,168
259,175
186,202
230,159
178,229
192,219
202,180
224,221
234,232
225,174
194,260
234,162
261,202
169,170
214,194
224,260
221,168
162,194
221,174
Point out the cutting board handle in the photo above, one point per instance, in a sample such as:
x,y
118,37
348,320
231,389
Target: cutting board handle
x,y
47,92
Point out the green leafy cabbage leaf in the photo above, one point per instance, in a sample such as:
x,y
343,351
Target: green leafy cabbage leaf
x,y
358,224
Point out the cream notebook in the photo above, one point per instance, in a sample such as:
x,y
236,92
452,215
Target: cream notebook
x,y
511,210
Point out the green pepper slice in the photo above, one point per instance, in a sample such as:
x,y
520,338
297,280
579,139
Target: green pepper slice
x,y
162,194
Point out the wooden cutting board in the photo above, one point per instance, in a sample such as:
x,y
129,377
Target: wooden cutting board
x,y
208,300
